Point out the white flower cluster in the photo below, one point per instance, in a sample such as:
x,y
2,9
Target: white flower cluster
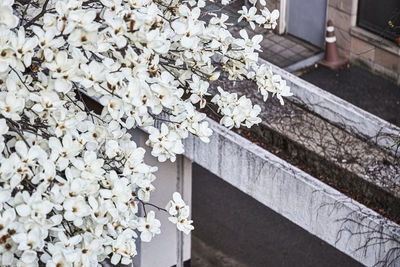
x,y
73,200
236,111
179,212
266,18
268,82
71,177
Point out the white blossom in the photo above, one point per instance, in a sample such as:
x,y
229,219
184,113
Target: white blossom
x,y
149,226
236,111
179,212
270,18
7,17
75,209
72,179
11,105
165,143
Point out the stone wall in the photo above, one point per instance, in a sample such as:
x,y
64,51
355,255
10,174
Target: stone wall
x,y
361,46
356,44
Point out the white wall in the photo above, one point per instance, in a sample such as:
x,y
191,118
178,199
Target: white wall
x,y
170,247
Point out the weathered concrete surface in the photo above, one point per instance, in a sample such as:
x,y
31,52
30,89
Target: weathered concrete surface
x,y
337,110
301,198
327,151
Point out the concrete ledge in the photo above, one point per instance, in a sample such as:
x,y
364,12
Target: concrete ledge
x,y
342,222
305,63
338,111
376,40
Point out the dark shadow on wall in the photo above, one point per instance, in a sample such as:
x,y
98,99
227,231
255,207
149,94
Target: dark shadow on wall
x,y
233,229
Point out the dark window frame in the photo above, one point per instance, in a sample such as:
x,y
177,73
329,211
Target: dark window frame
x,y
374,16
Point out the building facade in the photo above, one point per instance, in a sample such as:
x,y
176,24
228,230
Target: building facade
x,y
367,31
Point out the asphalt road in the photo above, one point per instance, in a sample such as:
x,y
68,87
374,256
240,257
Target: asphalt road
x,y
360,87
232,229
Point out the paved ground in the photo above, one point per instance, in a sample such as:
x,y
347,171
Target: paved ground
x,y
232,229
204,255
360,87
285,50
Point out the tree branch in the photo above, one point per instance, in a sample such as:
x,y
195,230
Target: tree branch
x,y
38,16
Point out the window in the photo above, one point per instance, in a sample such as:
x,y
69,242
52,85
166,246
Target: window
x,y
380,17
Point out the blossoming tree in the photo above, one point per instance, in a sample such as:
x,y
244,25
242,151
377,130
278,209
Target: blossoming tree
x,y
71,179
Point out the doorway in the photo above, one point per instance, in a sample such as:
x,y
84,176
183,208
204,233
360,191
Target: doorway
x,y
306,20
